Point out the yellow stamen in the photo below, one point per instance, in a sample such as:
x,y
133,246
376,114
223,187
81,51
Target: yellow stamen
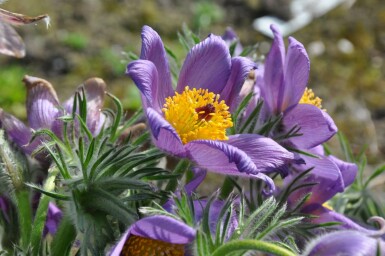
x,y
327,206
309,97
198,114
139,246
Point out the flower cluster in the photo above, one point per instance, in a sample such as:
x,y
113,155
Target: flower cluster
x,y
88,180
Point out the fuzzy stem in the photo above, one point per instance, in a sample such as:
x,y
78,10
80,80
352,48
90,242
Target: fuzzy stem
x,y
256,245
25,216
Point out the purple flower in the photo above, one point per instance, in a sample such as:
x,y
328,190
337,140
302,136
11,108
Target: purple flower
x,y
54,216
345,243
155,235
230,38
332,176
283,85
191,121
44,109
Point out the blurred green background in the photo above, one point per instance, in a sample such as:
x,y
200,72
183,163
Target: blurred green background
x,y
90,38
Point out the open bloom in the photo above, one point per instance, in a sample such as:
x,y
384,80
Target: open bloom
x,y
191,121
155,235
283,89
44,109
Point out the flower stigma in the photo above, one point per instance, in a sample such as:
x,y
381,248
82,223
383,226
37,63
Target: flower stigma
x,y
138,246
197,114
309,97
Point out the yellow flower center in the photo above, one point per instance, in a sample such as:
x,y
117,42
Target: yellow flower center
x,y
198,114
140,246
309,97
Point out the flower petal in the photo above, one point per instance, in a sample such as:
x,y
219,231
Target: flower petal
x,y
206,66
344,243
18,132
199,176
153,50
42,103
266,154
240,69
273,76
95,89
348,170
145,76
164,135
328,176
296,73
221,157
163,228
316,125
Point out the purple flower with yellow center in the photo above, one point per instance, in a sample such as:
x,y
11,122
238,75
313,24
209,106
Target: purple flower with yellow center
x,y
191,121
44,111
283,89
155,235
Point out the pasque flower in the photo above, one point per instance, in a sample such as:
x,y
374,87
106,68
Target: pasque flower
x,y
155,235
44,110
283,88
191,121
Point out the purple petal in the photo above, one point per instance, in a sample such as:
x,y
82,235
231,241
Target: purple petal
x,y
42,103
153,50
240,69
95,89
328,176
145,76
266,154
116,250
54,216
316,125
18,132
164,135
199,176
344,243
348,170
163,228
230,37
296,73
221,157
206,66
274,76
325,215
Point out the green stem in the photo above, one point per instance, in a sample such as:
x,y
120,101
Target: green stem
x,y
25,216
256,245
180,169
227,187
66,234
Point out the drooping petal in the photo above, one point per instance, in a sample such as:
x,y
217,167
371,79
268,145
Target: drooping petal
x,y
206,66
348,170
345,243
42,103
296,73
221,157
316,125
153,50
165,136
163,228
95,89
240,69
266,154
145,76
274,73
